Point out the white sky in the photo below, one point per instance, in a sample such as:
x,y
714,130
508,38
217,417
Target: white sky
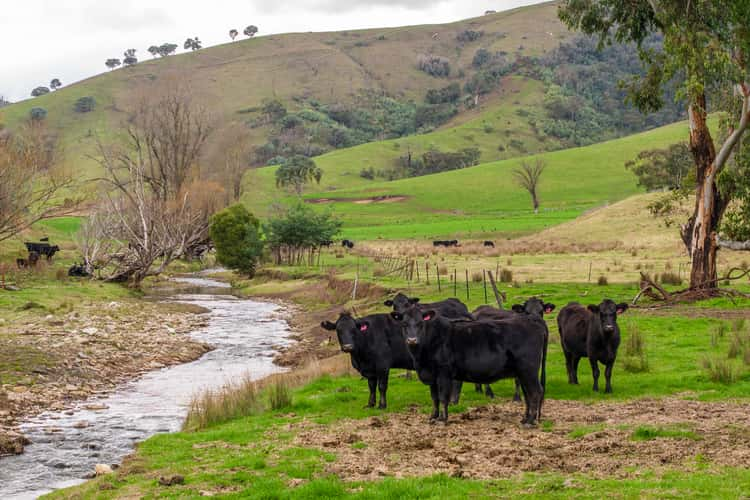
x,y
71,39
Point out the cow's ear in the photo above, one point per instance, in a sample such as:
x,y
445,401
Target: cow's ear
x,y
594,308
622,307
517,308
414,300
328,325
388,303
428,315
397,316
548,308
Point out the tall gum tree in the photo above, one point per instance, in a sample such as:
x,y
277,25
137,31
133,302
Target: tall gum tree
x,y
706,51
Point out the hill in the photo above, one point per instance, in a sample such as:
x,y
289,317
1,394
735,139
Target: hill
x,y
470,202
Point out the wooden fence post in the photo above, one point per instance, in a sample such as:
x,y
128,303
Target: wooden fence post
x,y
467,284
437,274
427,273
484,279
455,284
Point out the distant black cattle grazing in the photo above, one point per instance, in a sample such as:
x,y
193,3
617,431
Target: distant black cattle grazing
x,y
22,263
590,332
45,249
445,243
376,345
33,259
326,243
348,244
533,307
45,239
489,243
78,271
481,352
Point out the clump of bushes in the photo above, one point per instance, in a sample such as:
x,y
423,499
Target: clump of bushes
x,y
720,370
84,105
469,36
477,277
670,278
279,396
38,114
602,281
437,66
635,360
506,276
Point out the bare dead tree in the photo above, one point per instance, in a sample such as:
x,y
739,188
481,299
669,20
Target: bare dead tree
x,y
528,176
33,186
231,158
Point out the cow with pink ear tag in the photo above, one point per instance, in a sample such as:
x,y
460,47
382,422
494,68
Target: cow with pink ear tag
x,y
375,345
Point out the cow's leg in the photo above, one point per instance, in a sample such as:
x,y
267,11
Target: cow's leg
x,y
373,384
488,391
478,388
569,366
435,402
408,375
595,372
576,359
608,376
383,387
456,386
445,388
517,394
532,390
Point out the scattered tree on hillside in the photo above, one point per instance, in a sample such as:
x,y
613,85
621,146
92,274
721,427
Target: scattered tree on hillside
x,y
707,48
299,232
167,49
235,234
437,66
85,104
154,51
129,58
112,63
250,31
193,44
31,153
55,84
37,114
233,33
39,91
296,172
528,176
467,36
666,168
4,102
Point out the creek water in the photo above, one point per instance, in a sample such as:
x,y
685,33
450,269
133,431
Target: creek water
x,y
245,335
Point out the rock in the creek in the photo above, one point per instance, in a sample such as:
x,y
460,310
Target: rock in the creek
x,y
171,480
90,330
81,424
12,442
102,469
96,406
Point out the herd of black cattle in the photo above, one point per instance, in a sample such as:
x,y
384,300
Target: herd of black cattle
x,y
447,345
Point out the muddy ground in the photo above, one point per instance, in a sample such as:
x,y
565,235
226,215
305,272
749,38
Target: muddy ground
x,y
49,361
489,442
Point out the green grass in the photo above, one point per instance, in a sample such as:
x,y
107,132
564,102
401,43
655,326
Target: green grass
x,y
474,201
649,433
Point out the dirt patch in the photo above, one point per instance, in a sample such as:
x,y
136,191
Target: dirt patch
x,y
390,198
488,442
48,362
697,312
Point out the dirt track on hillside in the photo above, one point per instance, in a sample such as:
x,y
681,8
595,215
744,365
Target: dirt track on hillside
x,y
489,442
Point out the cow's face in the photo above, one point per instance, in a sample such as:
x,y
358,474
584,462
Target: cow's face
x,y
534,307
608,312
401,302
414,325
346,329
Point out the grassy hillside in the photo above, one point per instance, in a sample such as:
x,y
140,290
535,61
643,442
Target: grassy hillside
x,y
473,201
328,67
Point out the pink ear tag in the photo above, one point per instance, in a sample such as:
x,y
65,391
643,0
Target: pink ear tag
x,y
548,310
363,328
427,317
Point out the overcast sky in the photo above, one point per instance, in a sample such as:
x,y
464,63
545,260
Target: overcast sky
x,y
71,39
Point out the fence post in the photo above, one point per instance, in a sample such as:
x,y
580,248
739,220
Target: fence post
x,y
427,272
455,285
467,284
484,279
591,263
417,267
437,273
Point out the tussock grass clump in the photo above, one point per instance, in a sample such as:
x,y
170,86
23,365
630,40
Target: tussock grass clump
x,y
739,345
648,433
635,360
720,370
280,395
602,281
443,270
670,278
509,262
378,271
506,276
718,333
476,277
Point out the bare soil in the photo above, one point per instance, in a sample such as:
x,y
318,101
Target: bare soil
x,y
47,362
489,442
389,198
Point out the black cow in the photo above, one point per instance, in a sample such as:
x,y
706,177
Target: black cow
x,y
22,263
45,249
348,244
45,239
326,243
376,345
489,243
449,308
590,332
78,271
533,307
33,258
476,351
445,243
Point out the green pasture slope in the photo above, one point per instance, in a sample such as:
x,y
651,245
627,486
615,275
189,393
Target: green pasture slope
x,y
471,202
256,457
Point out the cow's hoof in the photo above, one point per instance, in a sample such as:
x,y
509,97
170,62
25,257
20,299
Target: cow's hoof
x,y
381,407
528,425
368,405
516,399
432,421
443,422
608,391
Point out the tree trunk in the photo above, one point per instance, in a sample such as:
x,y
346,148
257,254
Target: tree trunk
x,y
700,232
535,201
